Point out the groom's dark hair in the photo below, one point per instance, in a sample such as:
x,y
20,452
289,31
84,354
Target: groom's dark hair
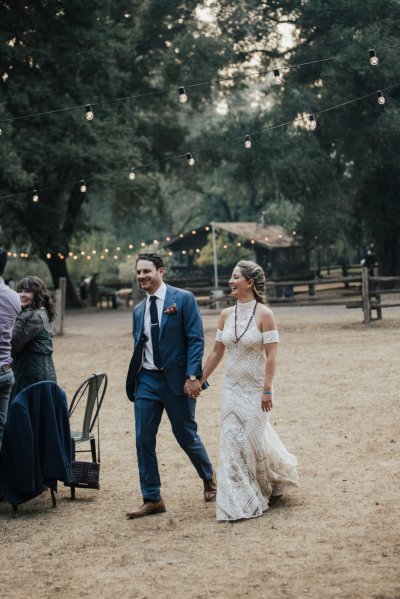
x,y
151,257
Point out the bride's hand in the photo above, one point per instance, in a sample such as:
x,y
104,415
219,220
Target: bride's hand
x,y
266,403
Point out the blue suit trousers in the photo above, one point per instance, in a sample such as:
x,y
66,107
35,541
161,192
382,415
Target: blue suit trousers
x,y
152,396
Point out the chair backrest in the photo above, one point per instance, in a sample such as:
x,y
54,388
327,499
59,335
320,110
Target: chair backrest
x,y
93,389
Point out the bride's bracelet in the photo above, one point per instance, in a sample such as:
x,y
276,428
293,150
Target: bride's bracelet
x,y
267,393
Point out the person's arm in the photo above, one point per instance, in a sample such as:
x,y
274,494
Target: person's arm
x,y
217,351
194,333
268,326
27,326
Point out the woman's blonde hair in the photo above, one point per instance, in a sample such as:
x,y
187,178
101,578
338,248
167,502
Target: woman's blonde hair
x,y
253,271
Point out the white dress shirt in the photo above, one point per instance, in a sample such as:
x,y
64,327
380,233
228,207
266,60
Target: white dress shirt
x,y
160,294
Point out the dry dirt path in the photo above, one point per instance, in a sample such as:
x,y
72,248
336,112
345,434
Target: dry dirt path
x,y
335,536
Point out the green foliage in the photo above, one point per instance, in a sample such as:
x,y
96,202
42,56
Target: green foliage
x,y
67,54
337,185
228,252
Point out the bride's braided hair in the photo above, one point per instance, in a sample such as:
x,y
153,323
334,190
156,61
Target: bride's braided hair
x,y
253,271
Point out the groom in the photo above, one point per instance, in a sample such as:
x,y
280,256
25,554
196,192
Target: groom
x,y
164,374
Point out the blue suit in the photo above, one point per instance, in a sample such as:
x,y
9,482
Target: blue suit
x,y
181,349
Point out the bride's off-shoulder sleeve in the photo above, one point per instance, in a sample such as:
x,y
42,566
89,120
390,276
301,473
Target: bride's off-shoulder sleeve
x,y
270,336
218,335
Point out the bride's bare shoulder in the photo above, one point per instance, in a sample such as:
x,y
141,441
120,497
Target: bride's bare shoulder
x,y
267,318
223,317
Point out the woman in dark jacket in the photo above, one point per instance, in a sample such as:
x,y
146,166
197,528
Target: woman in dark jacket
x,y
32,345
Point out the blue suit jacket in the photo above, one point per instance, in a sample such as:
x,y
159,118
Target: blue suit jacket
x,y
181,341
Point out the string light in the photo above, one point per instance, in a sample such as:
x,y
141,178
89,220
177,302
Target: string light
x,y
89,112
118,249
373,59
35,197
311,125
182,95
247,142
312,122
223,79
83,187
278,76
132,174
381,98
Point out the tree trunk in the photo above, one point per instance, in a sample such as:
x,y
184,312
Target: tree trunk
x,y
390,265
58,268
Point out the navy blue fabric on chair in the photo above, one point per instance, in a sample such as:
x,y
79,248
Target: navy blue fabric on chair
x,y
36,449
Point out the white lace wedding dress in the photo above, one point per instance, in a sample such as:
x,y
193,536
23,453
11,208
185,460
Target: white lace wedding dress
x,y
253,462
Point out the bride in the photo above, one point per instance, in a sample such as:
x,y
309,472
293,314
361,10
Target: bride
x,y
254,466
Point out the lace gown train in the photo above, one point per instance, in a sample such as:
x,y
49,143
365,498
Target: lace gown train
x,y
253,462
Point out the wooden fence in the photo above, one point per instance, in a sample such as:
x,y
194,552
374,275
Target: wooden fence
x,y
373,288
367,288
359,290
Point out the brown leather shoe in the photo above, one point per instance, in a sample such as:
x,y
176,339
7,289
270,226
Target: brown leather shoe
x,y
147,509
210,488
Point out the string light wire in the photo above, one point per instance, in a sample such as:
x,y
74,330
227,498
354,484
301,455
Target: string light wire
x,y
200,84
207,148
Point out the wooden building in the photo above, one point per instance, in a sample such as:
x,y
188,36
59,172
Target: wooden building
x,y
273,248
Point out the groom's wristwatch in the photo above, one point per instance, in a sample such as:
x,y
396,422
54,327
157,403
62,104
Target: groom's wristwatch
x,y
192,377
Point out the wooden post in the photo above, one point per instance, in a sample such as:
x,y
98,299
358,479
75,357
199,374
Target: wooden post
x,y
60,306
377,296
365,295
216,292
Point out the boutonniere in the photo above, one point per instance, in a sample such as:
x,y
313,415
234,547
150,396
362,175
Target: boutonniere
x,y
171,309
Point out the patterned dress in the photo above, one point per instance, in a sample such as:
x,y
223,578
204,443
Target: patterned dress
x,y
253,462
32,349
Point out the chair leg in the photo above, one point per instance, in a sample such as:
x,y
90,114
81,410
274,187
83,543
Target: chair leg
x,y
72,449
93,448
72,458
53,498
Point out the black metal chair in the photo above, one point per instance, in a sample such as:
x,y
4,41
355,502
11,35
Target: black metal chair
x,y
89,396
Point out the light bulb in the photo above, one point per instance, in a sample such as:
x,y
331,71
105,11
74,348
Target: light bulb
x,y
132,174
83,186
247,142
182,95
381,98
190,159
278,76
89,112
35,197
1,132
373,59
312,122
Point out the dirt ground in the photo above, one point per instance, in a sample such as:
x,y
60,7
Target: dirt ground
x,y
337,536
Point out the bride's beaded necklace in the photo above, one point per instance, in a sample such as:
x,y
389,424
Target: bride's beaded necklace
x,y
247,326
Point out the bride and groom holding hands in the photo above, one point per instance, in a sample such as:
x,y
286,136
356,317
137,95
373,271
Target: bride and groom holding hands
x,y
165,373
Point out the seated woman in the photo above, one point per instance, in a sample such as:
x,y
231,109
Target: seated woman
x,y
31,343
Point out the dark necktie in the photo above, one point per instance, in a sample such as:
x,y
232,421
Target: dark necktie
x,y
155,332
